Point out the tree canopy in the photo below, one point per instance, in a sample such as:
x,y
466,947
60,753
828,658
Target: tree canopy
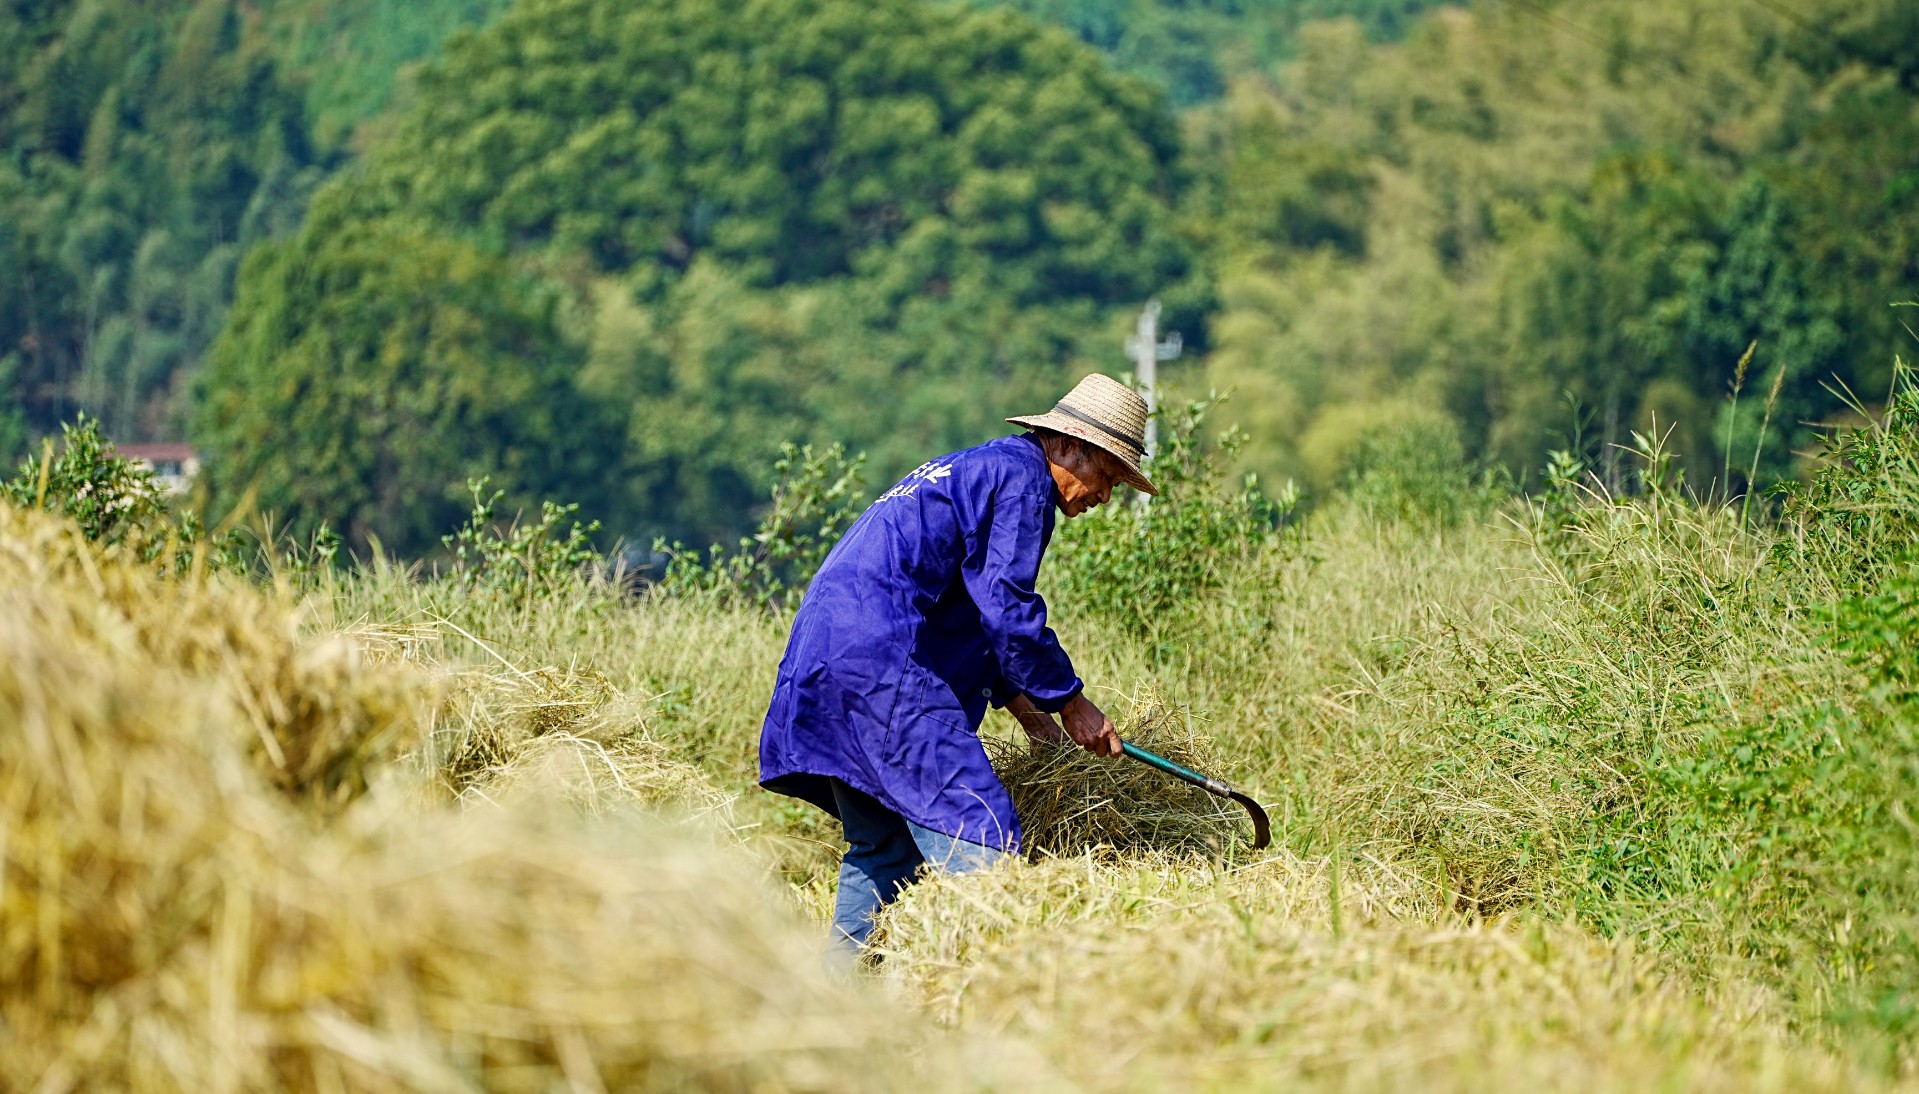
x,y
147,145
404,363
791,140
1561,225
1193,48
890,223
683,231
144,147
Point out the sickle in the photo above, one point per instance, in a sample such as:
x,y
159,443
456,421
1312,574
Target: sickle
x,y
1262,832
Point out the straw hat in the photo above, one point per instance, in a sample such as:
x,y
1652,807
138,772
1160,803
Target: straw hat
x,y
1105,412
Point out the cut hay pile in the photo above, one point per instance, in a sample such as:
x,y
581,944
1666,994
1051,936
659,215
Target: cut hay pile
x,y
1292,973
1070,802
568,735
191,898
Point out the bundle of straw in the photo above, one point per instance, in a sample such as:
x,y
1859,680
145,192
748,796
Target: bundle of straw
x,y
598,778
563,735
184,912
1070,802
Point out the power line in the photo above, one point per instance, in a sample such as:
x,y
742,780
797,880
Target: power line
x,y
1594,40
1805,22
1790,14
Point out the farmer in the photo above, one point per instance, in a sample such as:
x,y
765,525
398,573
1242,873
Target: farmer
x,y
923,614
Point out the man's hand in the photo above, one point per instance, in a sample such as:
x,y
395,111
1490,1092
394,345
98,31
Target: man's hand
x,y
1089,727
1040,726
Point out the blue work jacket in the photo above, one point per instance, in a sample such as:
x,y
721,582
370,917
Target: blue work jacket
x,y
923,614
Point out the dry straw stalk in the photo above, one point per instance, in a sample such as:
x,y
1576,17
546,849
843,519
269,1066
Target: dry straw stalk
x,y
1070,802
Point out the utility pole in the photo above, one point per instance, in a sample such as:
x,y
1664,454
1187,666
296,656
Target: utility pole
x,y
1144,347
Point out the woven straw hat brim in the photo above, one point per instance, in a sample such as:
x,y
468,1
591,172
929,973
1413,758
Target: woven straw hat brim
x,y
1107,413
1060,423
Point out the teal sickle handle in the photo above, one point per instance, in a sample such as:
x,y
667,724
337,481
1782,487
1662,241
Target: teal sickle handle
x,y
1262,831
1154,759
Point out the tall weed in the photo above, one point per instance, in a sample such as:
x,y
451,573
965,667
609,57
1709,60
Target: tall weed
x,y
524,557
816,497
114,502
1147,566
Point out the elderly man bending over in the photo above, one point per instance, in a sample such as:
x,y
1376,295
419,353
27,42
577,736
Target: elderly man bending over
x,y
923,614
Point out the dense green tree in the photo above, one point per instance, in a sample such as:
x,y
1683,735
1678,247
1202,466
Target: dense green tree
x,y
1852,185
888,224
367,373
793,140
147,145
1593,316
1563,224
720,373
143,148
351,56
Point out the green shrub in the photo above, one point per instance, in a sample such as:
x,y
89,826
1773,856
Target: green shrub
x,y
1411,467
1859,513
522,557
110,498
114,501
1144,564
817,495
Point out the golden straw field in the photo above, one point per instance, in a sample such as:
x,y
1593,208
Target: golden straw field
x,y
1477,432
1556,796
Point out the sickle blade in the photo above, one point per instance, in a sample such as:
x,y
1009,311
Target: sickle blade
x,y
1262,831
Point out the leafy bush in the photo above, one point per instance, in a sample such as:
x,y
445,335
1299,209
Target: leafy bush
x,y
110,498
1555,508
524,557
817,496
1410,466
1137,564
1859,513
1858,518
1878,631
114,501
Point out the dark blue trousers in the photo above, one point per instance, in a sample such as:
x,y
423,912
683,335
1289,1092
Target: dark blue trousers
x,y
884,852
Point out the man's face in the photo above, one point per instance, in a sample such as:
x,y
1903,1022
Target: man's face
x,y
1085,475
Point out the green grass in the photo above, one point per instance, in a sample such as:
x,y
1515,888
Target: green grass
x,y
1588,793
1514,751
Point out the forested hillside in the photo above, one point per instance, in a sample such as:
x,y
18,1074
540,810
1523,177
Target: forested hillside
x,y
146,147
143,148
1539,228
669,235
623,267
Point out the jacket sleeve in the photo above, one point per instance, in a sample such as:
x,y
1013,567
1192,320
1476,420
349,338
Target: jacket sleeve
x,y
1000,570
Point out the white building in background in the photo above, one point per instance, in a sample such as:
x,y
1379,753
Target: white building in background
x,y
173,464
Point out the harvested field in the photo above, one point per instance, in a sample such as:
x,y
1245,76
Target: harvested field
x,y
192,904
1070,803
1552,813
